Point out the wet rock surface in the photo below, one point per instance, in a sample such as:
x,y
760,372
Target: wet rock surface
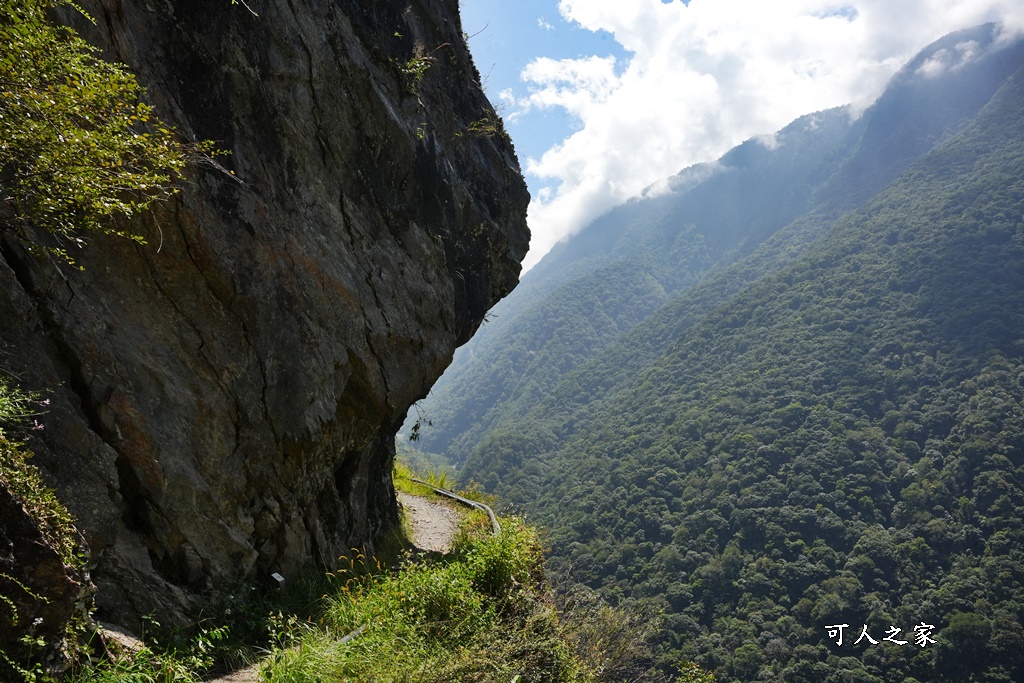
x,y
224,398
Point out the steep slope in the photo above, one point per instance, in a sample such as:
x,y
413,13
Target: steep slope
x,y
839,442
589,292
223,400
626,265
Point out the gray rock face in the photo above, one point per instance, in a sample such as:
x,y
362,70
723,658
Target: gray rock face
x,y
224,398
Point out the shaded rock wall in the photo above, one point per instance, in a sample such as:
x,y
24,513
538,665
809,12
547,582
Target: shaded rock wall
x,y
224,398
39,592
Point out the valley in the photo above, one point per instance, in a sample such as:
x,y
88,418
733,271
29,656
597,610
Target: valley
x,y
813,418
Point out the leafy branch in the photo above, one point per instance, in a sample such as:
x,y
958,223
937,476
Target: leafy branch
x,y
78,146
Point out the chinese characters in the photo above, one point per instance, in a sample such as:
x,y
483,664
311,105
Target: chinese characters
x,y
922,635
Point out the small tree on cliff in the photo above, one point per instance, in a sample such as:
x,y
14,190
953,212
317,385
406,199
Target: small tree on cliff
x,y
78,147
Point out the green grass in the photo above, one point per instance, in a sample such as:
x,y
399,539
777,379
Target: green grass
x,y
56,525
404,475
481,614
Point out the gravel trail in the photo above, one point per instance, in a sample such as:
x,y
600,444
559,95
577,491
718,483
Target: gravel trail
x,y
434,524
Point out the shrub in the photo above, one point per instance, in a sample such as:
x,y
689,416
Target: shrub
x,y
78,147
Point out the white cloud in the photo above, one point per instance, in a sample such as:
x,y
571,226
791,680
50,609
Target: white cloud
x,y
768,140
707,75
950,59
576,85
544,24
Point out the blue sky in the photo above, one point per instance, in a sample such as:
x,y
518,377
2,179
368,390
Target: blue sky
x,y
507,35
603,98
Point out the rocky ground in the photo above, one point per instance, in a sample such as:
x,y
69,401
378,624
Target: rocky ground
x,y
433,523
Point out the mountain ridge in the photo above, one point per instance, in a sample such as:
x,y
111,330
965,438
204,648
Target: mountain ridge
x,y
841,440
486,380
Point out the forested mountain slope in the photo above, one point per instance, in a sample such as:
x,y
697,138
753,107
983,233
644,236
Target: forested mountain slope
x,y
632,261
839,440
587,295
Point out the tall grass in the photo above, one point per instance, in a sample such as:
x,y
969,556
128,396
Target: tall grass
x,y
483,613
480,614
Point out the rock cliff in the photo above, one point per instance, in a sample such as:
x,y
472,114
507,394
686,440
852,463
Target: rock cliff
x,y
224,398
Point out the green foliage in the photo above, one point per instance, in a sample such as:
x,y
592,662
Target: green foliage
x,y
491,125
614,642
692,673
189,662
22,479
78,147
829,431
56,525
420,478
415,69
238,625
480,614
505,564
421,421
403,476
16,407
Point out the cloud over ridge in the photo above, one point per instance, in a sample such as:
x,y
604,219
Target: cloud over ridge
x,y
706,75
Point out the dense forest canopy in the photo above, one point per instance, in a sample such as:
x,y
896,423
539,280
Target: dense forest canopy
x,y
825,428
762,203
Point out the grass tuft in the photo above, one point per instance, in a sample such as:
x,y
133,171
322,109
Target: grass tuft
x,y
479,614
483,613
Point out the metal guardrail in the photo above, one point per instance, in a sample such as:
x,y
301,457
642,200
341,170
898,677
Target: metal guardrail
x,y
355,633
495,527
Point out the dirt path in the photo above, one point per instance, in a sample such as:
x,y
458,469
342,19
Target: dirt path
x,y
434,524
247,675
